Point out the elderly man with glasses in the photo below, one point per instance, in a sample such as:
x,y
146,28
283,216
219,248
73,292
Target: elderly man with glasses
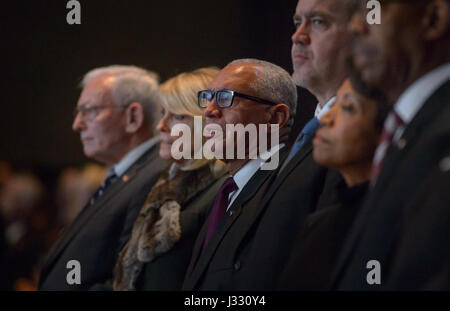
x,y
245,92
115,116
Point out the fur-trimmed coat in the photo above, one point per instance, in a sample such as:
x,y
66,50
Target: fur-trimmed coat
x,y
158,252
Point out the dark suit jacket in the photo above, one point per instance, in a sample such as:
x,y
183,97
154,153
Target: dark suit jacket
x,y
320,241
301,188
405,223
247,251
167,271
100,230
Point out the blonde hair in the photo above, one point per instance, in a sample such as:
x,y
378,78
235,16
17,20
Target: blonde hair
x,y
180,97
180,92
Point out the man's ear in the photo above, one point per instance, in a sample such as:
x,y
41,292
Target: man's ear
x,y
134,115
280,115
436,20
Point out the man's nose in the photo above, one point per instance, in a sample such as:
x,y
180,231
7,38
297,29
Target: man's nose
x,y
78,123
212,111
301,35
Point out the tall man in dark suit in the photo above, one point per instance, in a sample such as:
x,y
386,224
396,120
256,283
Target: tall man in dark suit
x,y
319,51
115,117
246,92
400,240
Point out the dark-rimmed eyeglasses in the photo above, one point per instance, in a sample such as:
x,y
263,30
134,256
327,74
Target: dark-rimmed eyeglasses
x,y
224,98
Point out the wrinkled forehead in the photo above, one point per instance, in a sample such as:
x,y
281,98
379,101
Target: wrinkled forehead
x,y
100,82
98,89
332,8
237,77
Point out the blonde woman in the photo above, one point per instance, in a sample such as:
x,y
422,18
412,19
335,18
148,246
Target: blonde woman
x,y
158,253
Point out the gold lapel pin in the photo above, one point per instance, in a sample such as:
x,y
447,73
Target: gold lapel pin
x,y
125,178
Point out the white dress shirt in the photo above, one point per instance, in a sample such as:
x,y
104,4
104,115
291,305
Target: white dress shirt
x,y
321,111
131,157
242,177
415,96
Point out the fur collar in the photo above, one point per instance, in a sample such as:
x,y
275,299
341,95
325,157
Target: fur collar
x,y
157,228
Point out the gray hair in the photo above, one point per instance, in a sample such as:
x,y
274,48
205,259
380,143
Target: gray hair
x,y
274,84
131,84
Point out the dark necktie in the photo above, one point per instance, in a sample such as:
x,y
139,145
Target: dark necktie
x,y
219,208
109,180
306,135
393,122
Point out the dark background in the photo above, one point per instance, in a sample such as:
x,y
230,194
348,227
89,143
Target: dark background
x,y
46,58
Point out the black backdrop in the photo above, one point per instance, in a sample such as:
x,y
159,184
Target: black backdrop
x,y
45,59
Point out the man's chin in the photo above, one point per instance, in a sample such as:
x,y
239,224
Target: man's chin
x,y
369,77
88,152
302,77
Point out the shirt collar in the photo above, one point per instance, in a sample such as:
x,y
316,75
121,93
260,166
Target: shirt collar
x,y
131,157
321,111
242,176
415,95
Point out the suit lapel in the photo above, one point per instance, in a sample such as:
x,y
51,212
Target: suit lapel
x,y
298,158
203,260
395,155
278,180
200,263
90,210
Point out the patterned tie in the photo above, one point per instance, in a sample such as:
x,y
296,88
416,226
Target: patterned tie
x,y
109,180
393,122
219,208
305,136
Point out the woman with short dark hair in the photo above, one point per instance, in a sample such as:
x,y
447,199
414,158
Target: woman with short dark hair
x,y
346,142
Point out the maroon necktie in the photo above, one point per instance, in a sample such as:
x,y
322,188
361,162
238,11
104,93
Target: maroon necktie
x,y
219,208
393,122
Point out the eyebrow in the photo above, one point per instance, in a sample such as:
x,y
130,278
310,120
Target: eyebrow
x,y
347,95
84,104
314,13
350,96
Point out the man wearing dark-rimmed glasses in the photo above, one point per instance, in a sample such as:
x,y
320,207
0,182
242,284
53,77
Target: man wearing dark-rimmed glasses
x,y
245,92
224,98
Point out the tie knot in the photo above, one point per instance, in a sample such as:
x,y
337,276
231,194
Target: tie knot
x,y
311,126
393,121
397,116
109,179
228,186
